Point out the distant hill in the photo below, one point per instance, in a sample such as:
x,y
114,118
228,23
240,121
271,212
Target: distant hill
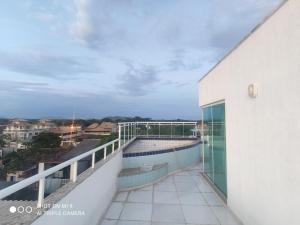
x,y
4,121
87,122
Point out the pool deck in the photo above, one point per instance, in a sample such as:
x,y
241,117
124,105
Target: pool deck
x,y
184,198
144,145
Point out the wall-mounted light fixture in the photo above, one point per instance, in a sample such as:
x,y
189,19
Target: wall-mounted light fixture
x,y
252,90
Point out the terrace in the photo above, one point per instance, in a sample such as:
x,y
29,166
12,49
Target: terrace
x,y
151,174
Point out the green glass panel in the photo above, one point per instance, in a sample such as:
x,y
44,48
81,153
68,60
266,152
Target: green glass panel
x,y
219,147
207,147
214,147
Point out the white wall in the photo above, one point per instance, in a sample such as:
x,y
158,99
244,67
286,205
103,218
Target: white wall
x,y
92,196
262,134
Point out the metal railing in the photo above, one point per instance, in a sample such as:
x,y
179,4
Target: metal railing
x,y
173,129
42,174
128,131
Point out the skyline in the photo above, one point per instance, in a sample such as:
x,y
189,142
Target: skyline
x,y
110,58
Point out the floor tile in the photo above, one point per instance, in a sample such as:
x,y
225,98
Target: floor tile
x,y
199,215
147,188
181,199
204,187
137,211
225,216
183,173
121,196
187,187
194,172
212,199
162,223
166,197
109,222
131,222
167,213
114,210
168,179
198,179
140,196
183,179
164,187
187,198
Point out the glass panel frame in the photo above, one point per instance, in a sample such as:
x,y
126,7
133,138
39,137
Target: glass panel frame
x,y
214,145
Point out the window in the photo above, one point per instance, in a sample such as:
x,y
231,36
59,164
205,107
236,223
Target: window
x,y
214,146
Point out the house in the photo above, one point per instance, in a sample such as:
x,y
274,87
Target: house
x,y
97,129
68,134
20,131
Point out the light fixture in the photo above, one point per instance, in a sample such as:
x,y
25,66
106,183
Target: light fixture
x,y
252,90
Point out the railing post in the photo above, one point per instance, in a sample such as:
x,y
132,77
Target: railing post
x,y
41,186
93,160
183,129
113,147
158,129
105,150
124,138
147,127
119,135
73,171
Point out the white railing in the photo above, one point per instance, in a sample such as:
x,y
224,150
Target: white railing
x,y
177,129
42,174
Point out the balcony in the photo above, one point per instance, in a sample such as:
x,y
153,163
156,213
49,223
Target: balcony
x,y
151,174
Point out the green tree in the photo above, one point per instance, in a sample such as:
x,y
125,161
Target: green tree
x,y
103,140
42,147
13,161
2,141
46,140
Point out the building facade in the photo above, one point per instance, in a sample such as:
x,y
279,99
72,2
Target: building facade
x,y
19,131
68,134
105,128
251,105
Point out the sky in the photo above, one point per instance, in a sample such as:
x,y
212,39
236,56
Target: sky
x,y
98,58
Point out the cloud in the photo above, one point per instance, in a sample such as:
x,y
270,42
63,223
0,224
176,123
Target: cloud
x,y
46,65
138,81
18,86
173,35
105,24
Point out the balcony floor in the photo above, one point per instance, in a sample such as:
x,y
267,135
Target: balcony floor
x,y
180,199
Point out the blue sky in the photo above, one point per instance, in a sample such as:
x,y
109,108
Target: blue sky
x,y
102,58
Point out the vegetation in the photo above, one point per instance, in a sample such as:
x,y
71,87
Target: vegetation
x,y
2,141
42,147
45,140
105,139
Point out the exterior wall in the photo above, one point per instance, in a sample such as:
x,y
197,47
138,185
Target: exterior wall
x,y
263,133
92,196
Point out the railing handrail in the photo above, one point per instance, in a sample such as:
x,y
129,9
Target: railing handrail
x,y
31,180
158,122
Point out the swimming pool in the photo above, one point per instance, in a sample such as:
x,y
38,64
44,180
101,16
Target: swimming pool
x,y
175,154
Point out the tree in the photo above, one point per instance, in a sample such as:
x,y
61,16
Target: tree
x,y
13,161
105,139
42,147
46,140
2,141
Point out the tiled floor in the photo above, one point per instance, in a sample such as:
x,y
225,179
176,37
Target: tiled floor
x,y
181,199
